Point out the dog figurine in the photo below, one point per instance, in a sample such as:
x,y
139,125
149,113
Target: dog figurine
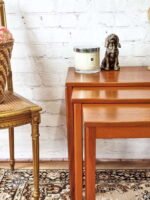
x,y
110,61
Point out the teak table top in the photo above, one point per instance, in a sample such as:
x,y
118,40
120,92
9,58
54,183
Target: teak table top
x,y
111,95
127,76
116,114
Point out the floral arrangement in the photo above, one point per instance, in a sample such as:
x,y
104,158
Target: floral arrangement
x,y
5,35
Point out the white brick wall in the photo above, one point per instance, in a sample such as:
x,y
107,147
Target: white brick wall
x,y
45,33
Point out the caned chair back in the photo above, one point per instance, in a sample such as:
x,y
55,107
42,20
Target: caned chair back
x,y
7,51
2,14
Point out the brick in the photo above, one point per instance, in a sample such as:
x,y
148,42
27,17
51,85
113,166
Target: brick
x,y
139,5
12,7
57,50
52,120
57,149
72,6
21,50
55,6
134,61
29,51
109,6
57,35
14,21
49,93
51,79
38,36
32,20
53,107
39,51
147,36
56,133
24,65
115,149
132,34
88,36
135,49
132,19
37,6
60,20
105,19
28,79
20,35
53,65
24,91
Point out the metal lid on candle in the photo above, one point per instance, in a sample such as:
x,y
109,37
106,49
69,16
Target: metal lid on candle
x,y
86,49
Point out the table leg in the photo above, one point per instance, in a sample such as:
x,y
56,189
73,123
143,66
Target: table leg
x,y
78,150
90,163
35,147
70,139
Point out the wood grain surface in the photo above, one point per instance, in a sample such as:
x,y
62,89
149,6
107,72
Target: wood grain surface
x,y
111,95
127,76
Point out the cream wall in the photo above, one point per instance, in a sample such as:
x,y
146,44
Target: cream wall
x,y
45,33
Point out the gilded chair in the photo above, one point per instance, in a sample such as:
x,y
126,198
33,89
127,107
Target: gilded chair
x,y
16,111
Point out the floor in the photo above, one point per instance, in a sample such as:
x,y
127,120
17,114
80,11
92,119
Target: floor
x,y
100,165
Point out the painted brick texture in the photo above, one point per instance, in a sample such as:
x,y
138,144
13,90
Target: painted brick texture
x,y
45,33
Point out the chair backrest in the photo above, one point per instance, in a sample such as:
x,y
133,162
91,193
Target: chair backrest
x,y
3,22
2,14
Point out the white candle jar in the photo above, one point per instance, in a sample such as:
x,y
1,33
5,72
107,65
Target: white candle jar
x,y
87,59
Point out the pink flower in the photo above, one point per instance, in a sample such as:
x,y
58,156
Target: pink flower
x,y
5,35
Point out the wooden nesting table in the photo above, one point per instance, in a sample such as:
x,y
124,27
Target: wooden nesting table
x,y
129,85
108,121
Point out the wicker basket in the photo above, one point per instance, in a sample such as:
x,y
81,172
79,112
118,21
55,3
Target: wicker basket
x,y
5,56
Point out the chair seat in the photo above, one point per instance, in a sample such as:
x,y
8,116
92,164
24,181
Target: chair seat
x,y
14,104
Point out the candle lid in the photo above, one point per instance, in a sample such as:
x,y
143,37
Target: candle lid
x,y
86,49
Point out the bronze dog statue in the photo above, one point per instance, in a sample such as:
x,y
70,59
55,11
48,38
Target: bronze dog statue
x,y
110,61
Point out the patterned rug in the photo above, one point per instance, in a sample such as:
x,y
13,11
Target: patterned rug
x,y
54,184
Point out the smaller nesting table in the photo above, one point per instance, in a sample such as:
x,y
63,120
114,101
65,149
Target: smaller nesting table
x,y
107,122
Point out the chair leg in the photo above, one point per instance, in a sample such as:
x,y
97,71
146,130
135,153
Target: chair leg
x,y
11,147
35,149
90,163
